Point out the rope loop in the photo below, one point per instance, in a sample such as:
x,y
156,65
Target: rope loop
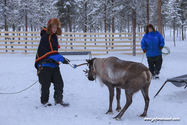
x,y
21,90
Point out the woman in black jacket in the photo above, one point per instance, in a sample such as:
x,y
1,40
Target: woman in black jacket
x,y
47,63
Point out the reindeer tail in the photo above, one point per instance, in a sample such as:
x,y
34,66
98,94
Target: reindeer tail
x,y
149,76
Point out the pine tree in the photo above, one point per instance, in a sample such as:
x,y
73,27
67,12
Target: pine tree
x,y
182,14
8,12
1,15
66,12
173,17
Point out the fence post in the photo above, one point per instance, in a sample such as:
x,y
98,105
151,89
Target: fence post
x,y
6,34
13,37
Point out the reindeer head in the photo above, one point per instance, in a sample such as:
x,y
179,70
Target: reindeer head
x,y
91,72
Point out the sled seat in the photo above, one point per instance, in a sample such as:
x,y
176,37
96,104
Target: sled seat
x,y
178,81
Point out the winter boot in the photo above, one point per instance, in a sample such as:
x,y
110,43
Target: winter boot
x,y
46,104
153,76
156,76
63,104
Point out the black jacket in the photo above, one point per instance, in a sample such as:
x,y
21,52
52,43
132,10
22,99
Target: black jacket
x,y
48,46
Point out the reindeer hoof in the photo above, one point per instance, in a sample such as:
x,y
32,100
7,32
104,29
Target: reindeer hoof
x,y
118,110
118,119
110,113
143,115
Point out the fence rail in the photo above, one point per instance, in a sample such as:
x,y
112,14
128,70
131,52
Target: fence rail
x,y
97,43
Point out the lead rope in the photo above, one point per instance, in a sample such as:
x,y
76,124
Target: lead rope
x,y
143,57
72,65
164,53
21,90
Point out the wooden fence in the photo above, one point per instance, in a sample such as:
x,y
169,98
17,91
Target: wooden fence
x,y
97,43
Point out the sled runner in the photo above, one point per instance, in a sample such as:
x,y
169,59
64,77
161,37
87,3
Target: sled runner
x,y
178,81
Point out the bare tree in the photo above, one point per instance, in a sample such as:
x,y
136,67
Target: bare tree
x,y
134,30
159,17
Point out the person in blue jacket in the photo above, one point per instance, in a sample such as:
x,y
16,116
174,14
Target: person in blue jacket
x,y
47,63
152,44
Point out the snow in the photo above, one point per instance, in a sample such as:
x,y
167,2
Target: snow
x,y
88,101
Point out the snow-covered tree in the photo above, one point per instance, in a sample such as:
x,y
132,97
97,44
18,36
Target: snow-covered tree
x,y
66,12
8,13
182,14
174,17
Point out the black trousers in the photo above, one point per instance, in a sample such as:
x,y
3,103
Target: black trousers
x,y
155,64
46,76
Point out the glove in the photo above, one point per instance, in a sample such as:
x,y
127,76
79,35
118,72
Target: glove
x,y
66,61
144,50
74,66
161,47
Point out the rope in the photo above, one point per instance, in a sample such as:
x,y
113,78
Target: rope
x,y
164,53
21,90
81,64
142,57
73,66
168,50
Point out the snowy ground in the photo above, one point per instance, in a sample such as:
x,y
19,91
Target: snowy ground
x,y
88,101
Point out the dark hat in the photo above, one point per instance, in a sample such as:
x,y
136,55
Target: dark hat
x,y
149,26
54,22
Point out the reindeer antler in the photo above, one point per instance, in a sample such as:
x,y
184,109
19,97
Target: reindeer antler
x,y
86,71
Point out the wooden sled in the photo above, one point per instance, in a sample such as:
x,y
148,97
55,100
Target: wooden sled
x,y
178,81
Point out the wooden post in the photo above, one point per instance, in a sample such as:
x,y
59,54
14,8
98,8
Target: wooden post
x,y
95,35
182,33
113,28
105,26
32,34
13,35
134,31
174,33
19,29
66,30
159,17
5,28
70,25
85,27
26,26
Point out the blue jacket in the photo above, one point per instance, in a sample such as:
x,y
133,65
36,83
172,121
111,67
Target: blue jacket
x,y
151,42
57,58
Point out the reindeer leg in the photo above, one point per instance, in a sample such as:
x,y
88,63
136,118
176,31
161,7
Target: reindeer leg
x,y
129,94
118,91
111,96
144,91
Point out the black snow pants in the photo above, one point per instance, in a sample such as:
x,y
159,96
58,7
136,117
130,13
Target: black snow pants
x,y
46,76
155,64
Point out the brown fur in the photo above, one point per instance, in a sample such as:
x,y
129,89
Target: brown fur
x,y
54,22
121,74
149,26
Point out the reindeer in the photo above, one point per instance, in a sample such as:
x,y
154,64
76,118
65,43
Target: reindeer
x,y
113,72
